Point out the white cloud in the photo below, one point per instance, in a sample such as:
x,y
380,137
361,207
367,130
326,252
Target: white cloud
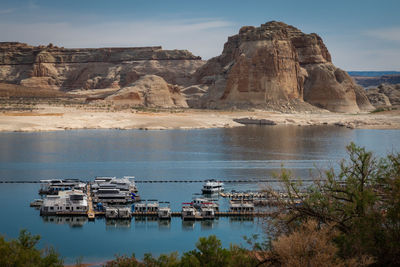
x,y
388,34
204,37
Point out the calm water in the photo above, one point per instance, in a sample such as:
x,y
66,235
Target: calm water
x,y
238,153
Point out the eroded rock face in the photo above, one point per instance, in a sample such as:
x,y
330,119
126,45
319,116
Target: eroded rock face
x,y
385,95
150,91
69,69
275,62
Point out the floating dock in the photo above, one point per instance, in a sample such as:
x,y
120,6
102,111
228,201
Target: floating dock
x,y
90,212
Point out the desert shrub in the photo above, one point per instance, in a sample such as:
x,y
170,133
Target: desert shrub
x,y
23,252
208,252
361,201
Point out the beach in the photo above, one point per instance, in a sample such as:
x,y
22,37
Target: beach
x,y
55,118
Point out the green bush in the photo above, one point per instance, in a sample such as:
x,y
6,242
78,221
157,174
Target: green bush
x,y
23,252
362,201
208,253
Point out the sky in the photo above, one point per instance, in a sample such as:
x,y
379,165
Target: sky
x,y
360,35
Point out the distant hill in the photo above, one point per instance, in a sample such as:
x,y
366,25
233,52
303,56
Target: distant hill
x,y
372,73
375,78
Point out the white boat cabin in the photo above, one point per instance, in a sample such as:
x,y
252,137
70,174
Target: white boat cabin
x,y
212,187
72,201
241,207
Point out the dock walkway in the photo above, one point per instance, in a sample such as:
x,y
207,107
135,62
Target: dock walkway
x,y
91,214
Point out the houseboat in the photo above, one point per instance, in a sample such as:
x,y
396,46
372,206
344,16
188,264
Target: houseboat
x,y
111,213
114,190
188,212
207,212
212,187
111,196
66,202
164,212
198,203
241,207
37,203
52,187
120,213
127,183
140,207
153,205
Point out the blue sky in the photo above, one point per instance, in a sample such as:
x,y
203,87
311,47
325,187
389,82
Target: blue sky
x,y
361,35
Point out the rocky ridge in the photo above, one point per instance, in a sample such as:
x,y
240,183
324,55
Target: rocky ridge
x,y
385,95
92,68
262,66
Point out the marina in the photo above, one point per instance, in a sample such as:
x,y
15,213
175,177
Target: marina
x,y
112,198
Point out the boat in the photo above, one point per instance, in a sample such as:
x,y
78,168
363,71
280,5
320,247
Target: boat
x,y
207,212
212,186
127,183
152,205
188,212
111,213
118,212
198,203
164,212
241,206
36,203
114,190
140,207
124,213
53,186
66,202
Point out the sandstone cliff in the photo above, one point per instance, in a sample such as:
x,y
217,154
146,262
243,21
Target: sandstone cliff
x,y
274,63
67,69
385,95
149,91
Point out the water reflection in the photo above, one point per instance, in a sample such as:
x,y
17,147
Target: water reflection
x,y
164,224
72,221
188,225
117,224
207,224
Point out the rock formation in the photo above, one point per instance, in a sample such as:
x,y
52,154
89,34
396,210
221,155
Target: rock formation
x,y
385,95
274,63
149,91
67,69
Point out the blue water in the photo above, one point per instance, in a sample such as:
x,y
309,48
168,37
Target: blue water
x,y
238,153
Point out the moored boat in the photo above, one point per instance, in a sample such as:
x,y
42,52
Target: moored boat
x,y
212,186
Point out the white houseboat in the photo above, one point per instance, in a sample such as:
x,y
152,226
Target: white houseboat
x,y
189,212
164,211
66,202
207,212
114,190
52,187
241,207
212,187
198,203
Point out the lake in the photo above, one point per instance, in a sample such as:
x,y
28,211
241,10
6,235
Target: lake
x,y
242,153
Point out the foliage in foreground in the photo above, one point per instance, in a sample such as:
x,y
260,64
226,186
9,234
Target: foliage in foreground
x,y
23,252
208,252
361,202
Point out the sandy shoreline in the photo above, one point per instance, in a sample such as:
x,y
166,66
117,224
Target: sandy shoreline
x,y
53,118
